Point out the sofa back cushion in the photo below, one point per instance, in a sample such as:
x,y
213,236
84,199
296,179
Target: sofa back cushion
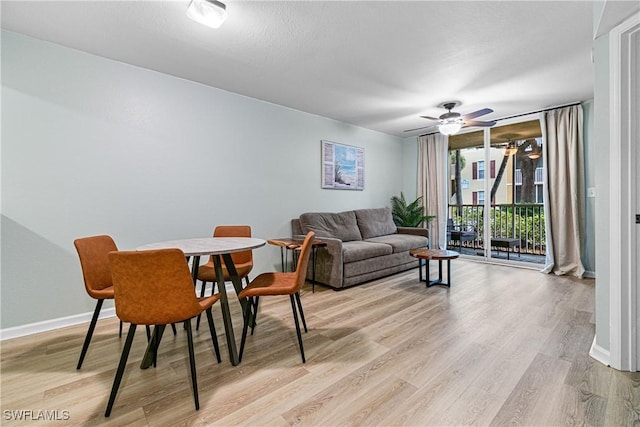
x,y
342,225
375,222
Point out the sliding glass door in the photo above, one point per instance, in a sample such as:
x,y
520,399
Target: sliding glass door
x,y
495,194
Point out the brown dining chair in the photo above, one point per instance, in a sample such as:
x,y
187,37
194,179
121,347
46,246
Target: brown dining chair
x,y
93,253
277,283
155,287
243,261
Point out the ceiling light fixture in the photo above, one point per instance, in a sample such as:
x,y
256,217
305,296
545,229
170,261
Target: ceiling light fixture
x,y
211,13
450,127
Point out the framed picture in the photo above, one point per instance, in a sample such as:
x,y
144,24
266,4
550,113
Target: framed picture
x,y
342,166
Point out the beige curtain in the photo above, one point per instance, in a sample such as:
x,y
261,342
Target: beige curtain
x,y
564,190
432,185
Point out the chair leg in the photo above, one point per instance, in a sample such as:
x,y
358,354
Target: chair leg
x,y
121,366
247,319
255,313
120,330
192,363
173,327
295,317
148,332
202,288
214,335
92,326
304,323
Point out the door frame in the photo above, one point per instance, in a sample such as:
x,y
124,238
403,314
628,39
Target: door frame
x,y
623,255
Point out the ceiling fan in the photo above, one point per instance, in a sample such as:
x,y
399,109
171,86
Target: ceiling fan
x,y
450,122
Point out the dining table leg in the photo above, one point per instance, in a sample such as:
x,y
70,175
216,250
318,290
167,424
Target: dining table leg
x,y
224,303
151,353
194,269
235,279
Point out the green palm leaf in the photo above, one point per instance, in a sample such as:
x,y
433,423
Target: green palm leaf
x,y
408,215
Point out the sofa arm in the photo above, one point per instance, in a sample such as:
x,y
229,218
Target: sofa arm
x,y
418,231
329,262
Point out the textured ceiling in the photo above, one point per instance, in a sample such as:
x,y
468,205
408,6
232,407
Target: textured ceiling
x,y
379,65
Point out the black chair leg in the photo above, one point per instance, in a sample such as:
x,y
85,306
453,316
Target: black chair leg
x,y
202,288
120,330
295,317
121,366
247,319
173,327
304,323
214,335
148,332
192,363
92,326
256,300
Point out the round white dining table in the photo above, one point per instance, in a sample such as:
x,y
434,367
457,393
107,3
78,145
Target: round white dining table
x,y
217,248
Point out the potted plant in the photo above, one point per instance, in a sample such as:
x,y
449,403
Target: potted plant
x,y
408,215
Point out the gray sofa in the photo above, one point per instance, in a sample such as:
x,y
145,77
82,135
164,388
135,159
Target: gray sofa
x,y
362,245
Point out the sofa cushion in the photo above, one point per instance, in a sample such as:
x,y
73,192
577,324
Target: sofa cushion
x,y
372,268
356,251
401,242
342,225
375,222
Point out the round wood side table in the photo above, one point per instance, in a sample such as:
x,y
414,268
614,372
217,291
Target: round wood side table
x,y
439,255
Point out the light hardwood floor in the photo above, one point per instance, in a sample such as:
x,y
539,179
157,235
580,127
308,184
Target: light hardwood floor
x,y
503,346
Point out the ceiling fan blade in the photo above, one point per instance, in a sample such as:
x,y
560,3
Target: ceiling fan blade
x,y
477,114
430,118
478,123
425,127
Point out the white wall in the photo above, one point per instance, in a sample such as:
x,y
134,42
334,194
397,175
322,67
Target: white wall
x,y
601,151
92,146
410,167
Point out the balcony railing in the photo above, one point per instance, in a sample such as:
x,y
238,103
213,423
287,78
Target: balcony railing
x,y
516,221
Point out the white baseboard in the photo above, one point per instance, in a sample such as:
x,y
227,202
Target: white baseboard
x,y
600,354
63,322
49,325
589,275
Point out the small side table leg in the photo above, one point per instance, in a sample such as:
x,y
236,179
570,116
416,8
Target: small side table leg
x,y
449,272
440,270
426,270
313,267
282,258
294,260
420,260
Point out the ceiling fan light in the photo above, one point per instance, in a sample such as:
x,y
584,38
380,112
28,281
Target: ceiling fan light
x,y
211,13
450,128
